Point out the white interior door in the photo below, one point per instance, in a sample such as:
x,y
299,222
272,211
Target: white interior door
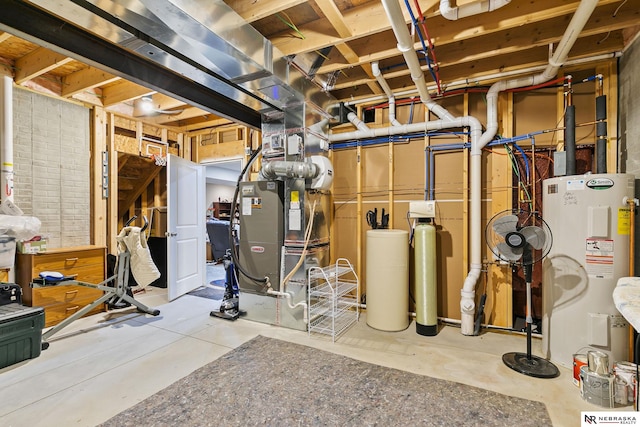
x,y
185,226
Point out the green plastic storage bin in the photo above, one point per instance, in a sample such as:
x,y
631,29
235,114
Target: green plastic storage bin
x,y
20,333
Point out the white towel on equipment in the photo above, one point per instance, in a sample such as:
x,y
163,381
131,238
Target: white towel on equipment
x,y
142,266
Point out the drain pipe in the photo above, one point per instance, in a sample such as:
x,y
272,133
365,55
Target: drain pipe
x,y
405,45
6,140
476,81
387,90
579,19
469,9
359,124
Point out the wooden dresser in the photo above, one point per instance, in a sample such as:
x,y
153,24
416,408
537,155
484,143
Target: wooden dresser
x,y
86,263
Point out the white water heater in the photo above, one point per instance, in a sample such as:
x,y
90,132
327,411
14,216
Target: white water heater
x,y
590,222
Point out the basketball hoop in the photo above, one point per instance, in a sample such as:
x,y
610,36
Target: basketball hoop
x,y
159,159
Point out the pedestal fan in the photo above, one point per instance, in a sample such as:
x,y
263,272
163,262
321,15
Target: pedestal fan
x,y
522,238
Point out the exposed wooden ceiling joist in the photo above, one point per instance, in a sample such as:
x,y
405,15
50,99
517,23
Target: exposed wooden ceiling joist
x,y
514,37
37,63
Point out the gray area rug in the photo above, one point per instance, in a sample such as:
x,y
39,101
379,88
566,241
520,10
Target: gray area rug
x,y
214,291
269,382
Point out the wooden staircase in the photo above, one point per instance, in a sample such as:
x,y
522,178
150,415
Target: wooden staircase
x,y
135,175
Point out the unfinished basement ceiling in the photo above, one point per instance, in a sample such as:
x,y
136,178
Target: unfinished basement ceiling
x,y
337,41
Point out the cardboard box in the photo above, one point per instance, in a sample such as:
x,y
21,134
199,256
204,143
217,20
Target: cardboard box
x,y
32,246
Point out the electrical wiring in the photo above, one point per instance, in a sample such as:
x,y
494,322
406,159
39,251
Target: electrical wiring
x,y
432,50
424,46
526,160
516,170
290,24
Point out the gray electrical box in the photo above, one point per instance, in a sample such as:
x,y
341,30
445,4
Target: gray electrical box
x,y
261,233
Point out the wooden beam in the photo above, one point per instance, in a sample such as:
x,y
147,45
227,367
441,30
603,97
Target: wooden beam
x,y
85,79
473,65
334,16
187,113
318,34
6,67
203,127
452,48
99,144
349,54
38,62
164,102
112,202
123,91
253,10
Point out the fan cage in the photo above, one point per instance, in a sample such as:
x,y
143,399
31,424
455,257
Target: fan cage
x,y
500,226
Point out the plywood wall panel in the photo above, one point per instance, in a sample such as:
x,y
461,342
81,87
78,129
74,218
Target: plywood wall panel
x,y
409,170
375,173
536,111
450,258
345,164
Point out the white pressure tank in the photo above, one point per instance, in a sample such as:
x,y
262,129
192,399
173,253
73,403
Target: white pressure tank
x,y
590,222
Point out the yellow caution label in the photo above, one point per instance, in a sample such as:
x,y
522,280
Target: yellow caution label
x,y
624,221
295,196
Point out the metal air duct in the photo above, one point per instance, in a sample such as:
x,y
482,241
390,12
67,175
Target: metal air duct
x,y
198,43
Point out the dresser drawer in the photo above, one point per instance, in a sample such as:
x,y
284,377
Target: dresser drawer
x,y
60,302
80,264
83,263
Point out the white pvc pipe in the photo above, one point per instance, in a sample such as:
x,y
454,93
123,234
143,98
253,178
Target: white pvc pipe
x,y
387,90
466,121
488,77
478,139
6,139
359,124
467,301
469,9
405,45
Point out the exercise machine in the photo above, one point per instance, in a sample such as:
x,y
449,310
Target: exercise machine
x,y
114,296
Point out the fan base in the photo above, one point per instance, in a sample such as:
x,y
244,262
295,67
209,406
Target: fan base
x,y
532,366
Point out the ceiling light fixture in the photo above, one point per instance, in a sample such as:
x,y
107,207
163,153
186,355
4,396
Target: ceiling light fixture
x,y
143,107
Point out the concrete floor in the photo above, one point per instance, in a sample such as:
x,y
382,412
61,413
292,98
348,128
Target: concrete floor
x,y
103,364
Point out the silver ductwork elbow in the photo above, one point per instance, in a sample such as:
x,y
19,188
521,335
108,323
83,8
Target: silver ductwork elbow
x,y
287,169
317,168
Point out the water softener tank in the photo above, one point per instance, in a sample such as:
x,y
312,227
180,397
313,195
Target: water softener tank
x,y
426,279
387,279
589,220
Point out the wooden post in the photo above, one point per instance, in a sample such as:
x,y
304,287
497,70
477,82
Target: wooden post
x,y
99,147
